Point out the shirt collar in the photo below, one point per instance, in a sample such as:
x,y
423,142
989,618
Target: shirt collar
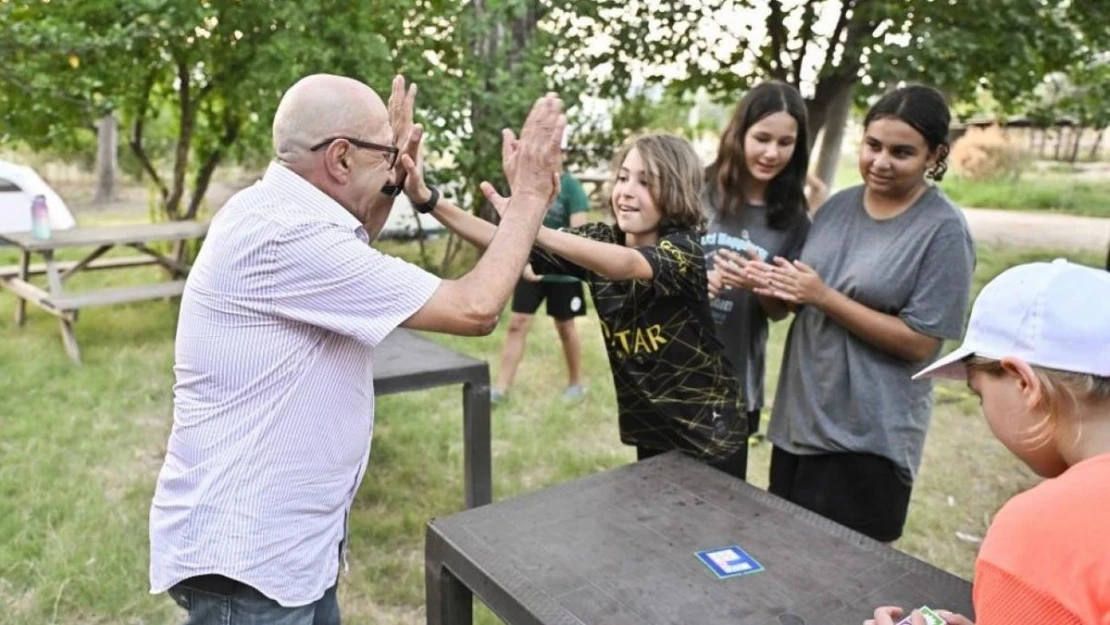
x,y
290,184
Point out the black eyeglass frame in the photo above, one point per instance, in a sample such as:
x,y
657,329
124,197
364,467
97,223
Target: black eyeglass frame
x,y
366,145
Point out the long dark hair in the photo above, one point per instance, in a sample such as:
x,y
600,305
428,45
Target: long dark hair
x,y
785,196
925,110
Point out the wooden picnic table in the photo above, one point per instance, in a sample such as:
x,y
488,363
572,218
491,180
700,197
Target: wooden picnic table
x,y
63,304
667,541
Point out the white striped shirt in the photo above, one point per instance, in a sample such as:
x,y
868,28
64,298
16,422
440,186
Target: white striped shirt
x,y
274,399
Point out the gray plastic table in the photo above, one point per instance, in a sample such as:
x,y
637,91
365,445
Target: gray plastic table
x,y
406,361
618,548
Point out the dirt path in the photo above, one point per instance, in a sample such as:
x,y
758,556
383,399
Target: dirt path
x,y
1038,230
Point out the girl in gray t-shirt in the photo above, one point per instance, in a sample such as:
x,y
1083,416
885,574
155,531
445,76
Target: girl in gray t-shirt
x,y
756,208
883,279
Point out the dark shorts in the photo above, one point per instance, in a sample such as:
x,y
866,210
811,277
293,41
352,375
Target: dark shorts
x,y
565,300
861,491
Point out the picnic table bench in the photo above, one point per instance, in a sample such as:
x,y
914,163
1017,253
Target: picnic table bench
x,y
633,546
65,305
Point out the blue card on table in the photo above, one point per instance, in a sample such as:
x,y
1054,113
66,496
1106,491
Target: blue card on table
x,y
730,561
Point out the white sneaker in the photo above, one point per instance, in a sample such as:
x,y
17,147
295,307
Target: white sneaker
x,y
574,391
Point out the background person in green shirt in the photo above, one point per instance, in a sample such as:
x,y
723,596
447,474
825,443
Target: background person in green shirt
x,y
565,301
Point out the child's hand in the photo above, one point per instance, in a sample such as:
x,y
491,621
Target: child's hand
x,y
795,283
732,268
499,202
953,619
886,615
758,274
715,285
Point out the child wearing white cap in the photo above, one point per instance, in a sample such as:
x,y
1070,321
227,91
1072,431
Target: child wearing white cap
x,y
1037,353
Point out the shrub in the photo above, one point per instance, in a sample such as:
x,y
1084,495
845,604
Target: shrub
x,y
986,154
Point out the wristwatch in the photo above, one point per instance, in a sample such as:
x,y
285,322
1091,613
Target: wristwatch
x,y
430,205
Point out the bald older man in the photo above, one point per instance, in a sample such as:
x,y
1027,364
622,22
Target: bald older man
x,y
274,399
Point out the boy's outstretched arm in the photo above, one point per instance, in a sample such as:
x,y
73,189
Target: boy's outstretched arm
x,y
609,260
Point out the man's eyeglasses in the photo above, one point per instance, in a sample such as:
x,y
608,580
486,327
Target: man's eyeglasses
x,y
366,145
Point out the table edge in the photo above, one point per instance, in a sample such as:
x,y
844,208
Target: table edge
x,y
450,533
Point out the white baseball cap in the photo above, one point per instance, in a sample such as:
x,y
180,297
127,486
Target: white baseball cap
x,y
1054,315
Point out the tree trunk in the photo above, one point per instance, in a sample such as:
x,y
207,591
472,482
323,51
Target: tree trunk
x,y
488,31
1075,144
186,118
136,141
209,164
816,114
500,43
523,29
451,250
107,143
835,123
1093,155
828,94
854,30
200,183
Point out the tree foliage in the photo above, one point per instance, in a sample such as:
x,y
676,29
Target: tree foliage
x,y
195,83
208,74
827,48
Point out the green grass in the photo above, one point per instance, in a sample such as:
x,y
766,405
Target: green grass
x,y
1050,191
1053,193
80,448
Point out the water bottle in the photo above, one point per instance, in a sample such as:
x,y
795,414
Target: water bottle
x,y
40,218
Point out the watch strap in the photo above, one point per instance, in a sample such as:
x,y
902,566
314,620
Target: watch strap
x,y
430,205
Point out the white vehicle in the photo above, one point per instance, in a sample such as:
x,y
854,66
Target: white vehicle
x,y
19,184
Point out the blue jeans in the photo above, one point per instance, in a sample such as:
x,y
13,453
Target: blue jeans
x,y
247,606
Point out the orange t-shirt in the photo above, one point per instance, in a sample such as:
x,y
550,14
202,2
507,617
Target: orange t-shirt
x,y
1046,557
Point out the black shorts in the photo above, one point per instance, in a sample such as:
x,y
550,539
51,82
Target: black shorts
x,y
565,300
861,491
